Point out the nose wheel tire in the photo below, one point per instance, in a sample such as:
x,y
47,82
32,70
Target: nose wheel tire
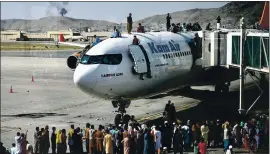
x,y
222,88
119,119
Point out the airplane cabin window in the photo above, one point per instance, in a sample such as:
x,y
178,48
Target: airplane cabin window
x,y
109,59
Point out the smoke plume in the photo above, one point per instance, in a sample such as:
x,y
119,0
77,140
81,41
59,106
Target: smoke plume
x,y
60,7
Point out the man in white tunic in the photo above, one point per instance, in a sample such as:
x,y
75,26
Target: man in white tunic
x,y
18,140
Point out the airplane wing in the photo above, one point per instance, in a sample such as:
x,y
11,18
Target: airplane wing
x,y
62,41
74,44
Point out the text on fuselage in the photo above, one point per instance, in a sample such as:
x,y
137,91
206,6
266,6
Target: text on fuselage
x,y
113,74
163,48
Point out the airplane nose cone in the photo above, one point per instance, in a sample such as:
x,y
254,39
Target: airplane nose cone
x,y
83,78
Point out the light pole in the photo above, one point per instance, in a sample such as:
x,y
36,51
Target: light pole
x,y
242,66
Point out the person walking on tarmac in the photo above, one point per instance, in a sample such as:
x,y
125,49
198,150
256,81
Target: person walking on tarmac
x,y
168,21
166,113
167,106
172,111
129,23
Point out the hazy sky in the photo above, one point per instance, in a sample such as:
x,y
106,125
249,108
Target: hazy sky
x,y
110,11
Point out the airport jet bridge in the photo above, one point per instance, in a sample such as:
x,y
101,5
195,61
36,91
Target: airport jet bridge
x,y
223,48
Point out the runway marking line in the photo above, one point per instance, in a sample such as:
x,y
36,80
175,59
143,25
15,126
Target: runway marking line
x,y
159,114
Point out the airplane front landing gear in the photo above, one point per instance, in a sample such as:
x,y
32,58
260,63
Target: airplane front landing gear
x,y
121,117
222,88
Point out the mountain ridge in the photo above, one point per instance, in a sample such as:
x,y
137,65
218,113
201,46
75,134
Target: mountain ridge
x,y
230,14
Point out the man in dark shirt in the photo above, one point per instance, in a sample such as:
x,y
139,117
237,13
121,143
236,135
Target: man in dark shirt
x,y
2,148
129,23
166,110
168,23
47,139
208,27
175,29
173,112
53,140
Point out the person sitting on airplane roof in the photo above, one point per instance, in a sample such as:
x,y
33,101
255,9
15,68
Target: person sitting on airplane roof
x,y
140,28
135,41
97,40
174,28
189,27
208,27
184,26
178,25
195,27
116,33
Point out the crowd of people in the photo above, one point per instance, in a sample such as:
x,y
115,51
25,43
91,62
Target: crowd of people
x,y
133,138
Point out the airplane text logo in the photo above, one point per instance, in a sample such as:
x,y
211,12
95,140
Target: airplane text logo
x,y
164,47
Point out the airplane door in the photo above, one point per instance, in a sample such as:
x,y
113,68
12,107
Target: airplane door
x,y
140,64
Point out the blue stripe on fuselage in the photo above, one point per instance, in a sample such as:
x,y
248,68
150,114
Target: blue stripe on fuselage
x,y
164,48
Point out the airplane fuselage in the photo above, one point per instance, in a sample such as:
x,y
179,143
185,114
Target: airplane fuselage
x,y
107,69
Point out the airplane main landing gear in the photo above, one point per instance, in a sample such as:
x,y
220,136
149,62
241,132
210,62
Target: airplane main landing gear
x,y
222,88
121,117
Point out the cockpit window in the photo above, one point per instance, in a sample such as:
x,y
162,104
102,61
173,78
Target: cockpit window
x,y
109,59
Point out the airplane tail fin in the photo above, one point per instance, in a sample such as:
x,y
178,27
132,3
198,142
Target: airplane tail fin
x,y
264,22
61,38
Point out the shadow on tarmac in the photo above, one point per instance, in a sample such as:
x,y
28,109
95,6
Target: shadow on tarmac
x,y
223,106
34,115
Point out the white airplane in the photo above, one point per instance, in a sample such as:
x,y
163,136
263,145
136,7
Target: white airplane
x,y
116,70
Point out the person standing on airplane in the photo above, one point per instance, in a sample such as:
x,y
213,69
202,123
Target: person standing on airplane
x,y
218,22
129,23
168,23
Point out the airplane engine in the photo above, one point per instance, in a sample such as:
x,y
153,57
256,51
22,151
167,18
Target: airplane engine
x,y
72,60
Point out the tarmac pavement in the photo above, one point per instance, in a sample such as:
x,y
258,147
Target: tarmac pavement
x,y
53,99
